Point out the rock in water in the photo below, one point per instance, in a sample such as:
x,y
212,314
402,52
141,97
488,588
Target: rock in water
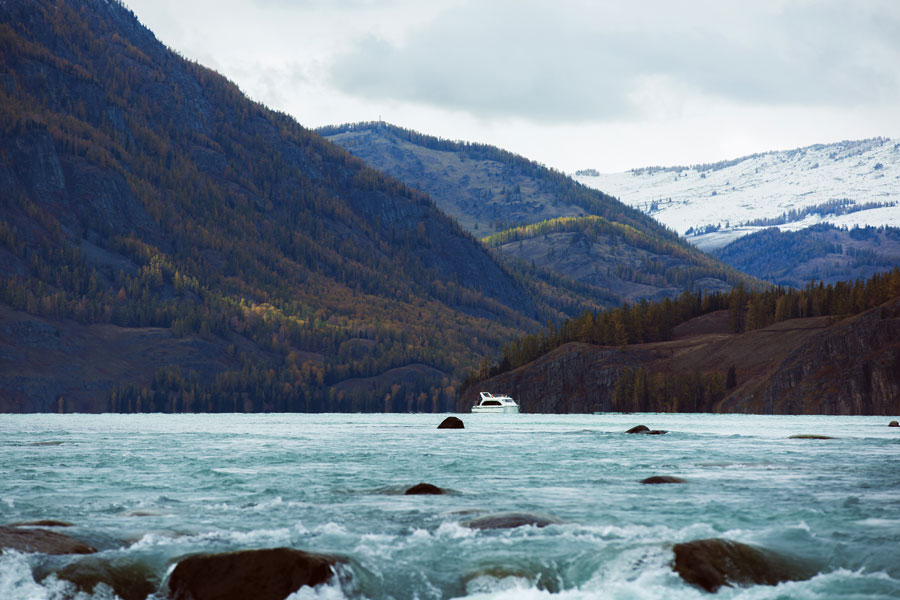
x,y
40,540
646,430
893,424
663,479
270,574
423,488
811,436
130,579
510,521
451,423
43,523
714,563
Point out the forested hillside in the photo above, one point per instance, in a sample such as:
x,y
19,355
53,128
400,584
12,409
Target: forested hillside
x,y
144,198
821,252
540,217
823,349
613,256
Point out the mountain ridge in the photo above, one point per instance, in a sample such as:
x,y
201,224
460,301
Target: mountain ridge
x,y
143,190
502,196
766,186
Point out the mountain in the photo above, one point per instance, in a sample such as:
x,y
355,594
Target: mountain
x,y
823,350
168,245
540,217
846,184
820,252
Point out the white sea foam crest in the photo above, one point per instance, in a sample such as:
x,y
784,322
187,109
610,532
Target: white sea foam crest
x,y
453,530
652,533
327,591
331,528
280,535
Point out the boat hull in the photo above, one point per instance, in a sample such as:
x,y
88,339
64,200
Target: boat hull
x,y
511,410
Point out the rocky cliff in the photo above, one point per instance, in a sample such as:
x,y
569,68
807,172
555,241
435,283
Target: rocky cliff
x,y
852,368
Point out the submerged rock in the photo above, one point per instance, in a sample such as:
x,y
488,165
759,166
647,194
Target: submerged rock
x,y
510,521
424,488
451,423
663,479
646,430
270,574
713,563
42,523
129,579
811,436
893,424
491,580
41,540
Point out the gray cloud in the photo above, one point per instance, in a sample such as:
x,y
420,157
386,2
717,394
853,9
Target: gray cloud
x,y
571,61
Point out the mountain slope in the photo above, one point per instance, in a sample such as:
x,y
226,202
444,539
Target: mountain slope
x,y
850,183
821,252
799,366
538,216
825,349
144,192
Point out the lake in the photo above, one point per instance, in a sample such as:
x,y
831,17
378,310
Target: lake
x,y
147,490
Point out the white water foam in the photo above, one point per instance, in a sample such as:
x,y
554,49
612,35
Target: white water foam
x,y
327,591
17,583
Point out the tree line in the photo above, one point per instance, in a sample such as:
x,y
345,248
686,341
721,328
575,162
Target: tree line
x,y
645,321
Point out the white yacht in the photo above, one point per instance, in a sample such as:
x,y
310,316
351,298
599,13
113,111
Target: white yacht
x,y
495,403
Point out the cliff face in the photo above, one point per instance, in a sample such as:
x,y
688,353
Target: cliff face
x,y
853,368
802,366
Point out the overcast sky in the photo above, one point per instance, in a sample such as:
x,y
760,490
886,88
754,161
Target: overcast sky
x,y
572,84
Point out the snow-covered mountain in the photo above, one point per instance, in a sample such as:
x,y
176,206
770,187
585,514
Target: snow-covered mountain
x,y
847,183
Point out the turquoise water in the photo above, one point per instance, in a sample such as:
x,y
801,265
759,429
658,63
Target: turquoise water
x,y
148,489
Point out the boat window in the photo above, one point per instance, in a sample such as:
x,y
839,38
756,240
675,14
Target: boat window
x,y
491,403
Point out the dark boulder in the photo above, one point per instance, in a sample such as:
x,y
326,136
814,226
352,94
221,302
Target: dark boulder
x,y
270,574
713,563
893,424
663,479
810,436
646,430
451,423
510,521
40,540
424,488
